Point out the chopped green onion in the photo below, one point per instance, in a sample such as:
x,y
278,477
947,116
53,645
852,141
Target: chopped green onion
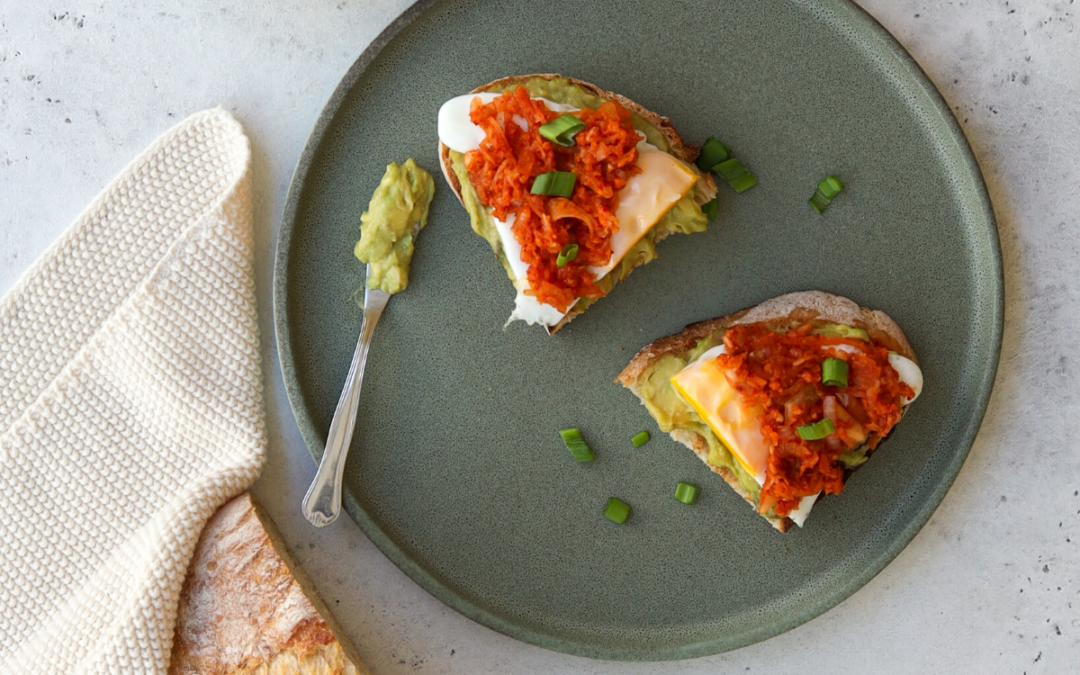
x,y
829,187
564,184
562,130
577,445
568,253
736,175
712,153
686,493
617,511
709,209
834,372
555,183
819,202
816,431
542,183
640,439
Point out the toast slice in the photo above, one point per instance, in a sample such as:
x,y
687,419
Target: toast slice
x,y
647,373
658,130
246,608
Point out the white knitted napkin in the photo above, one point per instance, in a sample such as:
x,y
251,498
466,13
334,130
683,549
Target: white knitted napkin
x,y
130,405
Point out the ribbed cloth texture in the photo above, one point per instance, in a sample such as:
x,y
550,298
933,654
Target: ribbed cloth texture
x,y
130,406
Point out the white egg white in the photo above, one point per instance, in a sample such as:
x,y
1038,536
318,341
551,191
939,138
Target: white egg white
x,y
910,374
457,131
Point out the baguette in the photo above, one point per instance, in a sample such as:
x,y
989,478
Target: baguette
x,y
703,192
246,608
779,314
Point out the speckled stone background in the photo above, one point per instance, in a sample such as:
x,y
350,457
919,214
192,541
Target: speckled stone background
x,y
992,584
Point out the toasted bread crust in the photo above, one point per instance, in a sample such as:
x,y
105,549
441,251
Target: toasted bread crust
x,y
247,609
684,151
779,313
701,448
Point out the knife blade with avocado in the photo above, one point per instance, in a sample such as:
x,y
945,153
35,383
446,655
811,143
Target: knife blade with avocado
x,y
397,212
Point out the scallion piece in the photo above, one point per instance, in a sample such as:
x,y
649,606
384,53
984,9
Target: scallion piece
x,y
816,431
834,372
686,493
562,130
829,187
568,253
712,153
554,183
617,511
577,445
710,208
736,175
564,184
542,183
640,439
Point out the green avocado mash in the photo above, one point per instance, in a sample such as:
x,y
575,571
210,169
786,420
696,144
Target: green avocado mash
x,y
685,216
842,330
398,207
671,411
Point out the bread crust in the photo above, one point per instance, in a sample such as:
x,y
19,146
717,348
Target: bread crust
x,y
780,313
703,192
247,608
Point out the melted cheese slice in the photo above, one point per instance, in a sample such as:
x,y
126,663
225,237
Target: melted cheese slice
x,y
645,199
705,387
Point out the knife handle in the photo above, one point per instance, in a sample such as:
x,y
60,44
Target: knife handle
x,y
322,503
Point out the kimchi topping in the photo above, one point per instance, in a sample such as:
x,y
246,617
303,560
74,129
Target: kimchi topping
x,y
780,373
513,153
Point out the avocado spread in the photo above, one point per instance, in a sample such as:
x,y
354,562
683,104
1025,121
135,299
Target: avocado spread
x,y
398,210
685,216
671,411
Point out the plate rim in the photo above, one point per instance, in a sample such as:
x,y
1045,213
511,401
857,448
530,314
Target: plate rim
x,y
428,582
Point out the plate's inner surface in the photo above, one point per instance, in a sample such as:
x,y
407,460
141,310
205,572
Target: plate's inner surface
x,y
457,464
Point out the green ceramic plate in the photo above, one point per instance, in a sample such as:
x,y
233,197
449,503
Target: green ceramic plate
x,y
457,471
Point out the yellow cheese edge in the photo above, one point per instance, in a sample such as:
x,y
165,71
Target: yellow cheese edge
x,y
706,416
678,180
